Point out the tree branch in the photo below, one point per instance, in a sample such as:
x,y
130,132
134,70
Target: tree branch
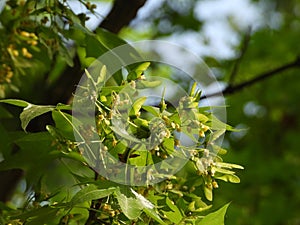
x,y
231,89
121,14
244,47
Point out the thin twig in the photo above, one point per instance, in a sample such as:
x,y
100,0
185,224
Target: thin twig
x,y
230,89
244,47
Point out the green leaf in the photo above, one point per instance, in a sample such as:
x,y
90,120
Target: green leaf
x,y
216,134
108,39
137,71
152,213
208,192
137,105
174,215
91,192
32,111
102,75
229,165
224,171
44,215
130,206
15,102
217,124
93,47
229,177
64,123
124,134
64,52
147,84
143,201
215,218
151,109
201,117
61,106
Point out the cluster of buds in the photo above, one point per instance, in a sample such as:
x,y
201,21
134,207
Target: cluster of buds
x,y
64,145
6,74
26,53
11,49
159,130
101,122
109,209
205,163
121,103
15,53
30,38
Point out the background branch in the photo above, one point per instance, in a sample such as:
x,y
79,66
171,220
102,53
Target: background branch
x,y
230,89
244,47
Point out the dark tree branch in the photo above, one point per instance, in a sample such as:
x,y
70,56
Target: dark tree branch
x,y
121,14
231,89
9,182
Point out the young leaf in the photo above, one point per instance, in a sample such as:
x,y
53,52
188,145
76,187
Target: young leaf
x,y
208,192
229,177
229,165
137,105
16,102
137,71
102,75
147,84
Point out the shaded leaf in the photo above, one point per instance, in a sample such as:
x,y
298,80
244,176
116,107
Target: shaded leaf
x,y
91,192
147,84
174,215
154,215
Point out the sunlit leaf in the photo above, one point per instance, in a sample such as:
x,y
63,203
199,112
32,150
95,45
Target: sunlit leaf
x,y
16,102
229,177
130,206
137,105
229,165
215,218
208,191
32,111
